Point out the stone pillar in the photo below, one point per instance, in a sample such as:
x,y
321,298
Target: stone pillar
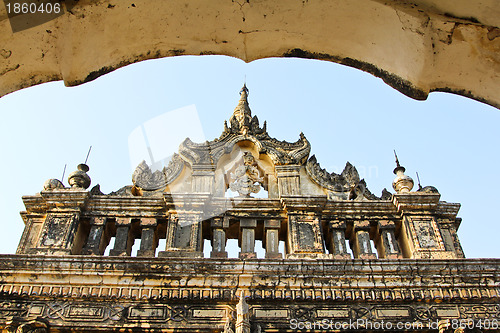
x,y
184,224
305,234
149,239
288,179
94,243
360,241
305,237
337,243
183,236
422,236
247,238
388,244
58,230
271,239
218,225
123,239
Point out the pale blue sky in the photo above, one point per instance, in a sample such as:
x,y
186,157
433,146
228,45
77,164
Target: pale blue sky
x,y
346,114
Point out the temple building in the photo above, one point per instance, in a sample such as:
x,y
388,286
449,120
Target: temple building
x,y
337,257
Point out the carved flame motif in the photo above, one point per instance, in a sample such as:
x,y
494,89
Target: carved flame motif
x,y
144,178
246,176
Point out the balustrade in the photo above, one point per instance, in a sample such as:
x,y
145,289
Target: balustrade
x,y
184,234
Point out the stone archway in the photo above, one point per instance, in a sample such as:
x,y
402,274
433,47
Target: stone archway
x,y
416,47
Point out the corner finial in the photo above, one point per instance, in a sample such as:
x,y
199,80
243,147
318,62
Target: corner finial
x,y
402,182
396,155
398,166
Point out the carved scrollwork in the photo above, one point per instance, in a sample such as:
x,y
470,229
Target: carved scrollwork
x,y
347,185
173,169
147,180
196,153
332,181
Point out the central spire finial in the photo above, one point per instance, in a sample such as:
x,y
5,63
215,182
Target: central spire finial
x,y
244,89
242,115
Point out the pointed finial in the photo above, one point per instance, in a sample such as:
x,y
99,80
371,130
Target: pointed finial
x,y
398,166
402,182
242,115
396,155
87,155
244,89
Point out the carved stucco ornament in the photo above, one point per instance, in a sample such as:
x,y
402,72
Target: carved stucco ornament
x,y
242,316
246,177
147,180
346,186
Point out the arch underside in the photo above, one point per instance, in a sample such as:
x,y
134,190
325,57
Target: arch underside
x,y
416,47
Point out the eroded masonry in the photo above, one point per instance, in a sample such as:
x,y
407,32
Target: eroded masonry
x,y
348,256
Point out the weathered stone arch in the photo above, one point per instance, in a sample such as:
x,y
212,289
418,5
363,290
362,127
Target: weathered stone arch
x,y
416,47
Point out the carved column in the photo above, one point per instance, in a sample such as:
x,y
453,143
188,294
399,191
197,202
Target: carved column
x,y
149,239
247,238
337,243
360,240
60,224
95,240
218,225
271,239
123,239
388,244
288,179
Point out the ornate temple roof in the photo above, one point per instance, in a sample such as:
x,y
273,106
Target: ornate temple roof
x,y
243,127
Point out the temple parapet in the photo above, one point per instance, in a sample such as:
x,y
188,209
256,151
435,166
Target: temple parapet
x,y
161,255
207,193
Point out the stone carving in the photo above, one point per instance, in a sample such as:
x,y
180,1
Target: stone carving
x,y
228,325
79,178
124,191
246,176
96,190
402,183
242,316
38,325
173,168
245,127
428,189
347,185
147,180
241,119
332,181
52,184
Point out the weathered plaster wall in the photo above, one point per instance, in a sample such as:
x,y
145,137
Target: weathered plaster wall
x,y
416,47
